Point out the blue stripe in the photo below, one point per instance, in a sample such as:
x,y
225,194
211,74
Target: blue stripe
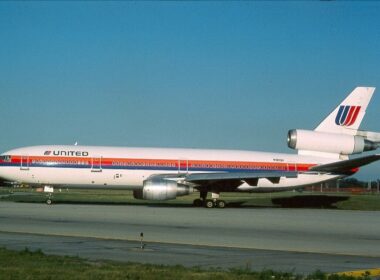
x,y
338,116
344,115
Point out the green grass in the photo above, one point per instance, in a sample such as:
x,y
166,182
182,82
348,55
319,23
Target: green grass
x,y
124,197
36,265
361,202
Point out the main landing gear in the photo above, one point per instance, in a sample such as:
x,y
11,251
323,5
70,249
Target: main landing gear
x,y
209,203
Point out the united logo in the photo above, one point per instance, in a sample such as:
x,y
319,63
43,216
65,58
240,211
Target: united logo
x,y
347,115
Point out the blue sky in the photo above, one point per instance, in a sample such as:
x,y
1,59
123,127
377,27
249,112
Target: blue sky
x,y
234,75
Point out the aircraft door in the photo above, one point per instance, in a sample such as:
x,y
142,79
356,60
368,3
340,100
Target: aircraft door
x,y
24,163
183,166
96,164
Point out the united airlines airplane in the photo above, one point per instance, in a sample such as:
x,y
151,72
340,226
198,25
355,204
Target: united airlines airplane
x,y
163,174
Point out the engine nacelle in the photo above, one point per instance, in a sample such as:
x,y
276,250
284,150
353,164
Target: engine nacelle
x,y
161,189
328,142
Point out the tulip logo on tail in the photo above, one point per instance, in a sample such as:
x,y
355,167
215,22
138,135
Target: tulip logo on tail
x,y
347,115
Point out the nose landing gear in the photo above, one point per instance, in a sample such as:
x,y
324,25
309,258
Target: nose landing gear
x,y
49,190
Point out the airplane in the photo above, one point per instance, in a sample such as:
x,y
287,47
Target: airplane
x,y
167,173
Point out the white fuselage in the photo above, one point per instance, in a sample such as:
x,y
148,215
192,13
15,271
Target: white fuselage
x,y
127,168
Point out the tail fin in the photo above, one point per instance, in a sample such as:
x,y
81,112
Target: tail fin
x,y
347,117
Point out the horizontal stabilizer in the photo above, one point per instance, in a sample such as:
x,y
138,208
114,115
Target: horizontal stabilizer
x,y
369,135
346,166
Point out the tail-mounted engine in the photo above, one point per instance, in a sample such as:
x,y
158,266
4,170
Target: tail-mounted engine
x,y
329,142
161,189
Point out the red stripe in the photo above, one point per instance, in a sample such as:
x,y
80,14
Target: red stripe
x,y
356,113
350,114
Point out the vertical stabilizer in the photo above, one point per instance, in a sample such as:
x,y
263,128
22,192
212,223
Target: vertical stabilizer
x,y
347,117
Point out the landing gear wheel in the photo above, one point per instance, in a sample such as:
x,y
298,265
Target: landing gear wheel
x,y
220,204
197,202
48,202
209,203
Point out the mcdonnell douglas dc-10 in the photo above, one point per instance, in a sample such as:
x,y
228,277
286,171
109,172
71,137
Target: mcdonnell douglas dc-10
x,y
163,174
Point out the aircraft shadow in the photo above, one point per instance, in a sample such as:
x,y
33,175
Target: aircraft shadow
x,y
309,201
298,201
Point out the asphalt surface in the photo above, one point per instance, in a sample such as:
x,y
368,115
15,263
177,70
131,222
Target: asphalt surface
x,y
300,240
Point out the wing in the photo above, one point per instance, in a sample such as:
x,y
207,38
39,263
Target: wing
x,y
230,181
346,166
224,181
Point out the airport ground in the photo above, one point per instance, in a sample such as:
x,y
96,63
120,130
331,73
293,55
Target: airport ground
x,y
342,200
258,237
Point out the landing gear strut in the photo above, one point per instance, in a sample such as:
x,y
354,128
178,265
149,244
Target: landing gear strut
x,y
200,201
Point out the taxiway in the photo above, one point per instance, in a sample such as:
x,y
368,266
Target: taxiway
x,y
284,239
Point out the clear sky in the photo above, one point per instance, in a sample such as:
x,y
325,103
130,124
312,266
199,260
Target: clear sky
x,y
234,75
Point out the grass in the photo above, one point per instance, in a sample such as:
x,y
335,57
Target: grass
x,y
124,197
361,202
36,265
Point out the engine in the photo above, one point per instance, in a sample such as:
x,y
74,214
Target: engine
x,y
161,189
329,142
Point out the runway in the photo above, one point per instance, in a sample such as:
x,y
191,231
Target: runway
x,y
282,239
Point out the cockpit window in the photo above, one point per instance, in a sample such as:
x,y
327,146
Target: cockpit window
x,y
5,158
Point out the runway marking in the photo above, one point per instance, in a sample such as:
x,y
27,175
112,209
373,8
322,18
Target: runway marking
x,y
357,273
147,241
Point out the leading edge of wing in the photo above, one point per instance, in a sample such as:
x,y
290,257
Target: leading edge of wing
x,y
346,166
244,176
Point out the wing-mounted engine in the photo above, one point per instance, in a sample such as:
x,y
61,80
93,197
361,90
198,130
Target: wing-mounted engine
x,y
343,144
161,189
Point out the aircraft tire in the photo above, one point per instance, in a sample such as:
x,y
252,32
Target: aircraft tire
x,y
197,203
221,204
209,203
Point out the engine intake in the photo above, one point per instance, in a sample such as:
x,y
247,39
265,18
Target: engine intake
x,y
329,142
161,189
